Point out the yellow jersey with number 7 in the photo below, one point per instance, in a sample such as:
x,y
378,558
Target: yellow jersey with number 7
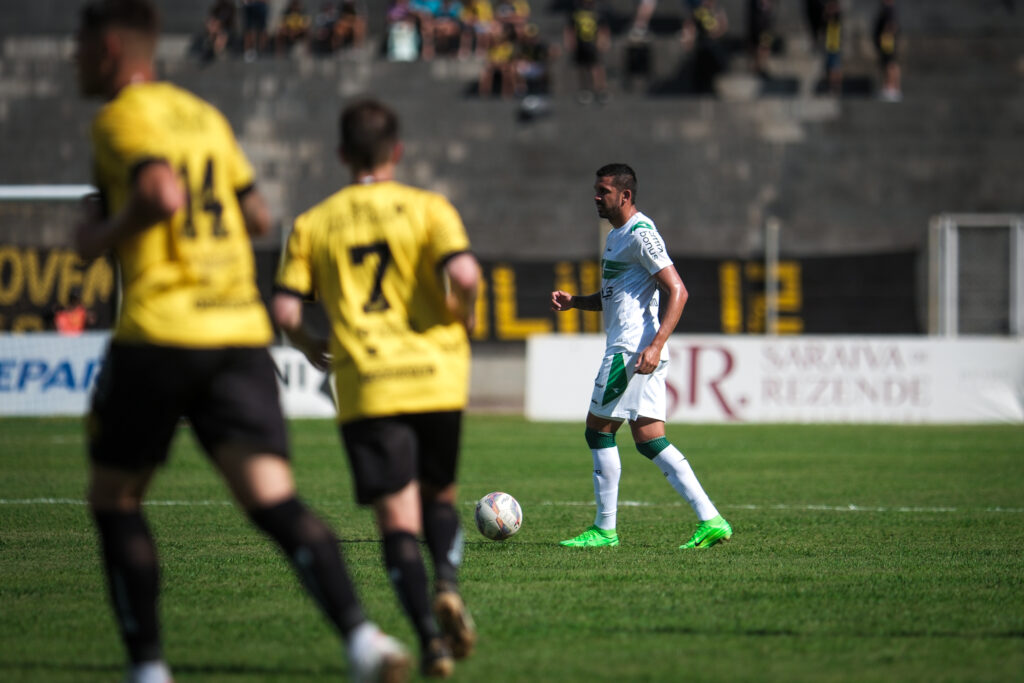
x,y
374,254
190,280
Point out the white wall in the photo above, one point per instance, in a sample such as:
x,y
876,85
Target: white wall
x,y
711,378
800,379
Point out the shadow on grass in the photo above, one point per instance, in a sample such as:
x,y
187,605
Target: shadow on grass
x,y
291,672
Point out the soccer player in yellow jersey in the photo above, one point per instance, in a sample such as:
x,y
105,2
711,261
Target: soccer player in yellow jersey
x,y
391,265
178,204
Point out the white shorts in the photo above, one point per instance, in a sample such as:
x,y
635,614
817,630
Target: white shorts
x,y
621,394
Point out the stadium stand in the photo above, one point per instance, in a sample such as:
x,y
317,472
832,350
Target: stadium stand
x,y
844,175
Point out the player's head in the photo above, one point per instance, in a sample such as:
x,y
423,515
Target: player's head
x,y
114,38
614,190
369,136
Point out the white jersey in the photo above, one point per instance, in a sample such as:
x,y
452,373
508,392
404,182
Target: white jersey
x,y
629,292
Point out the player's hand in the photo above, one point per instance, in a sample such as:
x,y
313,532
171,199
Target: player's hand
x,y
561,301
647,360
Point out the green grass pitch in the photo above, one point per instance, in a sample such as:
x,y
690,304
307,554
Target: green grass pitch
x,y
861,553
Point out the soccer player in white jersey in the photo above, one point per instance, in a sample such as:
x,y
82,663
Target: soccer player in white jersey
x,y
630,384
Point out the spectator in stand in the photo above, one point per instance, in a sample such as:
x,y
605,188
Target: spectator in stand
x,y
501,62
533,63
711,24
403,37
294,28
449,33
833,47
886,37
688,33
815,10
760,33
642,18
254,18
321,41
220,26
513,12
423,10
350,29
478,17
440,25
587,37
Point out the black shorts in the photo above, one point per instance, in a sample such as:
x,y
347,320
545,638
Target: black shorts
x,y
229,395
586,54
386,453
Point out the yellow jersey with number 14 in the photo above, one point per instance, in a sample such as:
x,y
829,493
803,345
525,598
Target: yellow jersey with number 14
x,y
374,254
190,280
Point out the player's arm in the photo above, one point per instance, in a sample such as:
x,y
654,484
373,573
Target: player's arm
x,y
286,309
463,273
563,301
155,196
569,38
672,304
254,211
604,37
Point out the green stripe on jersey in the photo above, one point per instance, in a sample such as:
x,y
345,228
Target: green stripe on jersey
x,y
612,269
641,225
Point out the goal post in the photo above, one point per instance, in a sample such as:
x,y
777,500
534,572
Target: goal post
x,y
44,193
976,269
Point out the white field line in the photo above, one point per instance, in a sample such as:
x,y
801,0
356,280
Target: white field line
x,y
567,503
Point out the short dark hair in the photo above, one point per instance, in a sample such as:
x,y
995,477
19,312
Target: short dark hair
x,y
137,15
369,132
623,177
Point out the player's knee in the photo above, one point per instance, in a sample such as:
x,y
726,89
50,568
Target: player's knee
x,y
291,524
650,449
401,547
597,440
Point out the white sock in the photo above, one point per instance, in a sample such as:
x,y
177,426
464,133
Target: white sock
x,y
607,469
677,470
150,672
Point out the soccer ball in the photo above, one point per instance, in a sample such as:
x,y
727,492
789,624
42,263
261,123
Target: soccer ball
x,y
498,516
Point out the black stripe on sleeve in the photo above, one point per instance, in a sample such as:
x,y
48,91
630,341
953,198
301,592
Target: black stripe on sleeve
x,y
241,192
449,256
305,296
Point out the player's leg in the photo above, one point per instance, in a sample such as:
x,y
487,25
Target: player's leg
x,y
600,436
399,520
602,422
133,416
439,435
131,566
263,485
650,439
238,420
383,456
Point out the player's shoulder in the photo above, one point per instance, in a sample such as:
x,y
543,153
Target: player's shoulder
x,y
152,100
642,221
414,193
426,204
641,227
323,209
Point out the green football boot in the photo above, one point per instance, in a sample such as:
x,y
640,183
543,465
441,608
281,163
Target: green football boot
x,y
593,538
709,533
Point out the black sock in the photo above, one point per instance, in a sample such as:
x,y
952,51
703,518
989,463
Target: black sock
x,y
444,539
133,577
405,568
314,552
